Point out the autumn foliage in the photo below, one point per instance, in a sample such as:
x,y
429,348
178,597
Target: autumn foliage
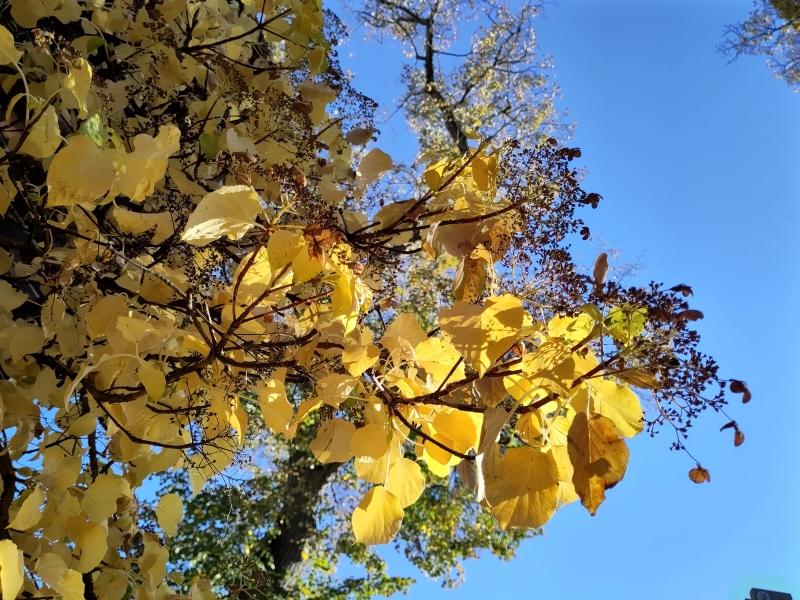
x,y
199,241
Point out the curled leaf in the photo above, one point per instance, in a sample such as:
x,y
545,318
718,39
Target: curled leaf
x,y
699,475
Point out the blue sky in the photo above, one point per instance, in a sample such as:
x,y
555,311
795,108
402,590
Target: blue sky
x,y
698,163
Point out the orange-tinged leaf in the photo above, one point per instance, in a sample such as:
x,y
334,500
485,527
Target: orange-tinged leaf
x,y
377,518
699,475
598,455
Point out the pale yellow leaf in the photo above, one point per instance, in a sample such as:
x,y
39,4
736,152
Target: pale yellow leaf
x,y
92,545
9,55
616,402
12,574
138,172
29,513
153,379
44,136
10,297
229,211
275,406
169,512
100,498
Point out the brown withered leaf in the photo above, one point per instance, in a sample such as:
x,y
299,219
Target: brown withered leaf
x,y
320,239
359,136
729,425
740,387
700,475
689,314
738,438
682,289
600,270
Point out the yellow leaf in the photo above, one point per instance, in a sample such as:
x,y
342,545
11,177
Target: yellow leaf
x,y
376,470
100,498
462,429
93,545
24,340
480,174
111,584
599,456
153,563
549,368
335,388
332,443
275,406
9,55
77,85
566,489
44,136
439,358
377,518
71,587
306,407
361,354
79,172
402,335
282,247
484,334
522,489
572,329
161,224
370,440
29,513
229,211
139,171
304,266
169,512
616,402
153,380
10,297
406,481
12,574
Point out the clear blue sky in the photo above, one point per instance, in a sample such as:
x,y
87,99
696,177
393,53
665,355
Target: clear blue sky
x,y
699,165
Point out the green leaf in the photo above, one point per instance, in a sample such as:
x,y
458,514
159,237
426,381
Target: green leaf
x,y
625,323
95,130
209,144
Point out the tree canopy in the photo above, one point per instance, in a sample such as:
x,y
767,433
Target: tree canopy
x,y
203,252
772,29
